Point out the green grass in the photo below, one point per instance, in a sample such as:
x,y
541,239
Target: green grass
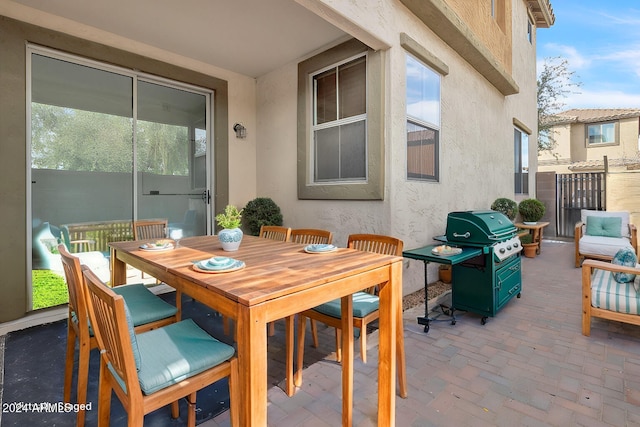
x,y
49,289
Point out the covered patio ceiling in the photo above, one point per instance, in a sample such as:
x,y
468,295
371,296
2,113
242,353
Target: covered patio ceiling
x,y
249,37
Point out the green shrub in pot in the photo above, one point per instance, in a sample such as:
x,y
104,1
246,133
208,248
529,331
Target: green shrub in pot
x,y
531,210
505,206
261,211
526,239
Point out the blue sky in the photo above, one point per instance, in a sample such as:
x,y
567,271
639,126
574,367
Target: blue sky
x,y
601,41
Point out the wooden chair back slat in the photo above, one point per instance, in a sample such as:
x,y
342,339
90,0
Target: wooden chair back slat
x,y
385,245
73,275
150,229
311,236
275,232
107,313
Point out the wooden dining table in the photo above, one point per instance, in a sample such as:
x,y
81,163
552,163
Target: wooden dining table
x,y
279,279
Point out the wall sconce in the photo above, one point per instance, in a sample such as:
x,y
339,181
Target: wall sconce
x,y
241,131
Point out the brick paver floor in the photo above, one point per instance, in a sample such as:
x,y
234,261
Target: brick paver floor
x,y
528,366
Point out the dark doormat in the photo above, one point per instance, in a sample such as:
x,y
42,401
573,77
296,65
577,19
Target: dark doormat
x,y
34,378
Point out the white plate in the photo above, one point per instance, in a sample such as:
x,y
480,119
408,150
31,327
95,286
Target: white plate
x,y
166,247
320,249
205,267
444,251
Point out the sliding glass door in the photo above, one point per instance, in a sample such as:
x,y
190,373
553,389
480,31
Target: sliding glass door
x,y
171,152
109,146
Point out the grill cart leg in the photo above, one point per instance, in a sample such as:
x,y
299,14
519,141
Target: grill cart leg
x,y
425,320
447,311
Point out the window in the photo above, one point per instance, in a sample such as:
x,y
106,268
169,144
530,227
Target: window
x,y
341,124
340,116
529,30
423,121
521,161
601,133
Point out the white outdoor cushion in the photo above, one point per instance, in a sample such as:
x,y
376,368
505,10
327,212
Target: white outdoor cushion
x,y
610,295
624,215
95,260
598,245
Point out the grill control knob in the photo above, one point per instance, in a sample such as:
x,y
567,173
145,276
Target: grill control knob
x,y
509,247
502,250
515,244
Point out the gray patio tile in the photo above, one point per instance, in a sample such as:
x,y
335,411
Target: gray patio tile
x,y
529,365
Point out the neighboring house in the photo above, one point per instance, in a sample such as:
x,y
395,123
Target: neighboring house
x,y
360,116
584,137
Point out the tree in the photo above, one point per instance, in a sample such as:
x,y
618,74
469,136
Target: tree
x,y
555,82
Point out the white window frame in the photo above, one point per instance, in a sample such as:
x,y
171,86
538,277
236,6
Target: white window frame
x,y
521,159
334,124
435,127
371,188
600,125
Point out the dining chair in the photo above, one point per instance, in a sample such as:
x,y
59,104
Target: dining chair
x,y
153,369
148,311
275,232
311,236
150,229
305,236
365,310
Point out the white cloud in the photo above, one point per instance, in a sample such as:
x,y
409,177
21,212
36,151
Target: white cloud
x,y
602,99
575,59
628,59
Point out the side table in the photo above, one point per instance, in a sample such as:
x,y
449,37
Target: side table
x,y
536,232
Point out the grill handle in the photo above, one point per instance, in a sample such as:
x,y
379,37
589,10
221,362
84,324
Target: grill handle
x,y
503,235
465,235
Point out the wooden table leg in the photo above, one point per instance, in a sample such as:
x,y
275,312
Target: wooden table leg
x,y
400,357
347,360
251,339
289,343
118,270
390,294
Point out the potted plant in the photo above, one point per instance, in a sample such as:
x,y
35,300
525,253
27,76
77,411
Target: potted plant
x,y
444,273
505,206
531,210
529,248
261,211
231,235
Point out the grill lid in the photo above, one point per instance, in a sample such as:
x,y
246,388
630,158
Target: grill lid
x,y
479,228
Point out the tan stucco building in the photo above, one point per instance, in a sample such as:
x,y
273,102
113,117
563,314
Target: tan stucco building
x,y
584,137
260,61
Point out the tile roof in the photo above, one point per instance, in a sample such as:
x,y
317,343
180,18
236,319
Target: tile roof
x,y
588,115
599,164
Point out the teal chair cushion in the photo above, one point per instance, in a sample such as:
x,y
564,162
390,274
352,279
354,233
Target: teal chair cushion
x,y
132,336
363,303
145,307
175,352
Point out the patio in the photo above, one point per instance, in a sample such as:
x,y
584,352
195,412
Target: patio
x,y
529,365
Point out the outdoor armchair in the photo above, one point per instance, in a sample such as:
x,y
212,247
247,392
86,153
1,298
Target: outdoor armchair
x,y
601,234
607,298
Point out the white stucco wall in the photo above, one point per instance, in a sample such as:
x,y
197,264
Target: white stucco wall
x,y
476,151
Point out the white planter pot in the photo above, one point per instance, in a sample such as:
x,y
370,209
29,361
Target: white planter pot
x,y
230,239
